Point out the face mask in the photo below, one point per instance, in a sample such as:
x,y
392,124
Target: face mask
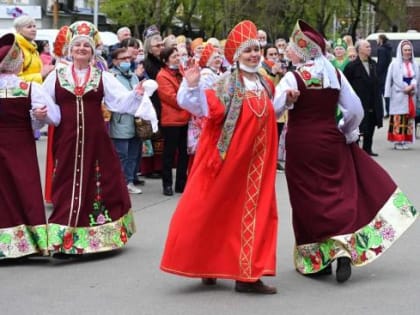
x,y
139,58
263,43
183,60
248,69
98,52
173,67
125,66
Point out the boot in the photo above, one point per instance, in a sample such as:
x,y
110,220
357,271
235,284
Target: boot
x,y
257,287
208,281
343,271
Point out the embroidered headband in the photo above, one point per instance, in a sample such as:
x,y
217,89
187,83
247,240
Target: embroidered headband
x,y
306,41
242,36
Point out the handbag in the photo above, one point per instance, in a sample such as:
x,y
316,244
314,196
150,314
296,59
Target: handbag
x,y
144,129
147,148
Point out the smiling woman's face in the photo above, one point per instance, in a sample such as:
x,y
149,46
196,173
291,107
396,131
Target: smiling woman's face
x,y
406,51
81,51
250,56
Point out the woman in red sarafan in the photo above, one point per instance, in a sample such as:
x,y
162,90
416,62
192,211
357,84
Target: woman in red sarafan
x,y
225,225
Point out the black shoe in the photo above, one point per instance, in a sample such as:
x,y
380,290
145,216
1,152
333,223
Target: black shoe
x,y
179,188
167,191
372,153
254,287
154,175
63,256
324,272
280,168
343,271
208,281
138,181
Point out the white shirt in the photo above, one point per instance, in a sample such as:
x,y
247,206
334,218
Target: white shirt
x,y
349,104
116,97
39,99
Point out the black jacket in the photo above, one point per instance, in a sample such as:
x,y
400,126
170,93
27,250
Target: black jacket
x,y
366,87
152,66
384,59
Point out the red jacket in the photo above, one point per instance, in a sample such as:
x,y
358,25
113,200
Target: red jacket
x,y
168,85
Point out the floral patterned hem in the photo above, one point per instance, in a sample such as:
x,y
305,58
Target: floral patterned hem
x,y
88,240
23,240
364,245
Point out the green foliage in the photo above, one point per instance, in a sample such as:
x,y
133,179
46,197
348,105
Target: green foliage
x,y
217,17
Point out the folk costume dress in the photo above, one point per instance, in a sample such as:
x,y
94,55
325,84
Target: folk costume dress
x,y
225,225
92,209
60,50
23,226
402,107
208,77
343,203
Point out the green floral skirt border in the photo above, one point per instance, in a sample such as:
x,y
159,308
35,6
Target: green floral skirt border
x,y
23,240
366,244
87,240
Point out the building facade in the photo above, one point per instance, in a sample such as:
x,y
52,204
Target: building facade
x,y
413,14
45,15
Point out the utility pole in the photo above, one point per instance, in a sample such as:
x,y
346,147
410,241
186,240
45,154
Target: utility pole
x,y
55,14
95,13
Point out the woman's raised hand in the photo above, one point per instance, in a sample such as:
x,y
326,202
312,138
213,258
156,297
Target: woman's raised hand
x,y
139,88
192,76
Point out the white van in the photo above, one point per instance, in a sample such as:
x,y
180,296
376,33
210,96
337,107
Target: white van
x,y
394,39
41,34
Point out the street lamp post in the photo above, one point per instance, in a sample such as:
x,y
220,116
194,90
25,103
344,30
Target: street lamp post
x,y
55,14
95,13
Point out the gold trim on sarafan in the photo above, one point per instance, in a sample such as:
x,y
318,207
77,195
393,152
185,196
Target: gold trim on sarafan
x,y
253,188
76,196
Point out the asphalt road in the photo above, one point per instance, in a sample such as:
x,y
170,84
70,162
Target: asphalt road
x,y
130,282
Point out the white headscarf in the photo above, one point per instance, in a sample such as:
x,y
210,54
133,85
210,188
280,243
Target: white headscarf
x,y
400,61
